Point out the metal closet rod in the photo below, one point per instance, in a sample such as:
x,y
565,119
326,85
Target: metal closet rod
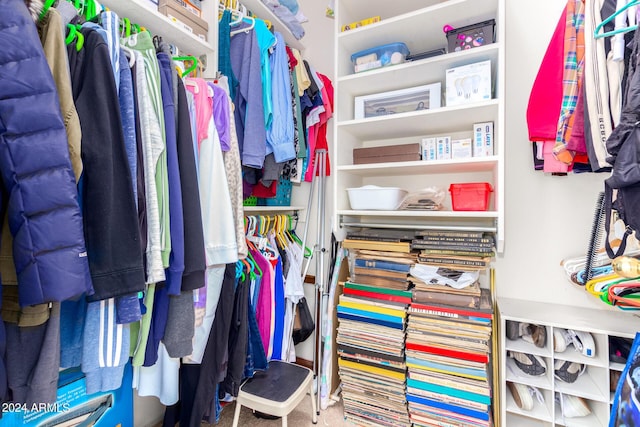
x,y
418,226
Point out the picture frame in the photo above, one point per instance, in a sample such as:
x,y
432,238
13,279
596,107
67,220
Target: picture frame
x,y
424,97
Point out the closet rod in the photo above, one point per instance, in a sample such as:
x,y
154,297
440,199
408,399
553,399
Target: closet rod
x,y
418,226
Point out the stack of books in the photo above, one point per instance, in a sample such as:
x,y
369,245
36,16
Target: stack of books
x,y
370,344
448,351
382,258
461,250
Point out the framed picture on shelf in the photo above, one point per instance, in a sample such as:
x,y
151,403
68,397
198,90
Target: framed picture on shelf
x,y
425,97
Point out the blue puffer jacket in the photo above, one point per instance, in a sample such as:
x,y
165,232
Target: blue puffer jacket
x,y
37,180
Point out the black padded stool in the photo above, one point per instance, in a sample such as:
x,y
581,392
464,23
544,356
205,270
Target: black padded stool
x,y
276,391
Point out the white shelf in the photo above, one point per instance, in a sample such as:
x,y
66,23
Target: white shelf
x,y
572,355
262,11
539,411
585,386
589,421
415,73
272,209
421,214
515,375
423,122
476,164
610,322
521,346
420,29
516,420
145,13
616,366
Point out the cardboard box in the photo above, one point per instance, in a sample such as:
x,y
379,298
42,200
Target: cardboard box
x,y
73,406
184,18
443,148
483,139
461,148
383,154
468,83
192,7
429,149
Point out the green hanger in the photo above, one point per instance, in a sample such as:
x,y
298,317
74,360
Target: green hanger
x,y
45,8
73,35
193,66
611,18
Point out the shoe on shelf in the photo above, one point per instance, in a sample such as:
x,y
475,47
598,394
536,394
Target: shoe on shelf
x,y
561,340
568,371
583,342
530,364
535,334
614,379
523,395
572,406
529,332
619,349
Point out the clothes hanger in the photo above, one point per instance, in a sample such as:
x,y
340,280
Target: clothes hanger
x,y
45,8
192,68
74,34
247,19
596,33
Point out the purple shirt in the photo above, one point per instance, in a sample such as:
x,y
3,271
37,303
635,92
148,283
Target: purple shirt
x,y
221,115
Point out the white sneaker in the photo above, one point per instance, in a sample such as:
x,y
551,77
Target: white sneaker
x,y
583,342
572,406
561,339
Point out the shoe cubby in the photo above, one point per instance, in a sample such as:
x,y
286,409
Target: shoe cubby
x,y
593,386
516,375
523,346
541,410
571,353
599,416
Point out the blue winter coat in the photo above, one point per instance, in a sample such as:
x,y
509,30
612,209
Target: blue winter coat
x,y
38,184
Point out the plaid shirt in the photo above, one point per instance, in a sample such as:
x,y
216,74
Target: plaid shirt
x,y
572,77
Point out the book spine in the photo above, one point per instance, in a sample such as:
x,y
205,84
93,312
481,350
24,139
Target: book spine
x,y
443,239
456,354
377,296
453,261
374,289
373,238
451,233
449,391
418,243
393,325
382,265
455,252
484,416
446,298
449,312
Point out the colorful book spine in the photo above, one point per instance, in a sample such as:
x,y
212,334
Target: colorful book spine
x,y
382,265
449,391
456,354
480,415
377,296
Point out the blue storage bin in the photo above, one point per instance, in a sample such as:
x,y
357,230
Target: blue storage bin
x,y
379,56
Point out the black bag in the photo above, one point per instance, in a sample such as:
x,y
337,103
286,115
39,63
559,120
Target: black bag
x,y
303,326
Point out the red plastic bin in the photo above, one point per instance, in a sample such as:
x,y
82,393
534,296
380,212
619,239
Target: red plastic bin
x,y
471,196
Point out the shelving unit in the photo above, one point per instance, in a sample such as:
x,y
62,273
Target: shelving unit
x,y
145,13
593,385
417,23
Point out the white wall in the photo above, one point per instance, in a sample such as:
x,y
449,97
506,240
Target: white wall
x,y
548,218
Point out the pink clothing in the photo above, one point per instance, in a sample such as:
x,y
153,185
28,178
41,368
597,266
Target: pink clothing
x,y
263,306
545,100
202,95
